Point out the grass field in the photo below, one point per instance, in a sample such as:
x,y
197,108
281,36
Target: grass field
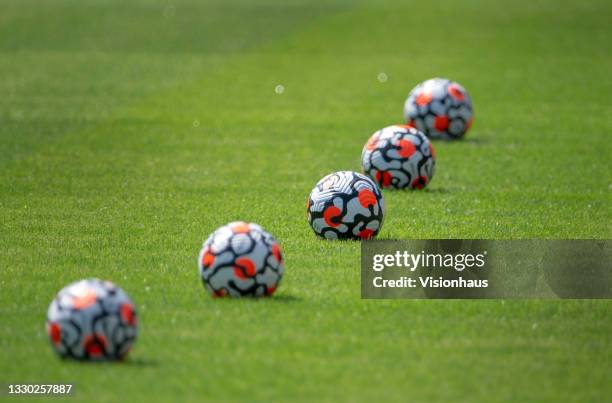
x,y
131,131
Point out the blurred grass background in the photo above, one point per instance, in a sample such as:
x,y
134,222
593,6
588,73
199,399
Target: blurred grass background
x,y
131,130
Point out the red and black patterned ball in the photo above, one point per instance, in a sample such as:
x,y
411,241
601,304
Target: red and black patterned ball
x,y
92,320
399,157
241,259
346,205
440,108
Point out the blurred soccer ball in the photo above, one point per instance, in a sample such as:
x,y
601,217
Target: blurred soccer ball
x,y
241,259
346,205
399,157
440,108
92,320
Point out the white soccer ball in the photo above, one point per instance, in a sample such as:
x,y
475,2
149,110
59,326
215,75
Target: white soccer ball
x,y
440,108
241,259
399,157
346,205
92,320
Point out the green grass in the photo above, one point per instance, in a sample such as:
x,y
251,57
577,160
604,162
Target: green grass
x,y
129,132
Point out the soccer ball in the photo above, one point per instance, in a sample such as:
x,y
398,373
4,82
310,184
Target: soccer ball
x,y
92,320
440,108
241,259
346,205
399,157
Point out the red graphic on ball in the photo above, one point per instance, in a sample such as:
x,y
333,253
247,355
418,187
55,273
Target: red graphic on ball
x,y
366,234
367,198
384,178
127,314
244,268
419,183
330,214
277,253
406,148
241,228
208,259
423,98
455,92
95,345
441,123
55,333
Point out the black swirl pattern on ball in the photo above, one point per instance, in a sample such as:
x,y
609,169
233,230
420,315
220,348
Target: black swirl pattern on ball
x,y
98,330
399,157
245,280
447,117
336,194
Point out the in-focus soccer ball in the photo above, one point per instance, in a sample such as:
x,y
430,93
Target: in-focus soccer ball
x,y
440,108
241,259
346,205
92,320
399,157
